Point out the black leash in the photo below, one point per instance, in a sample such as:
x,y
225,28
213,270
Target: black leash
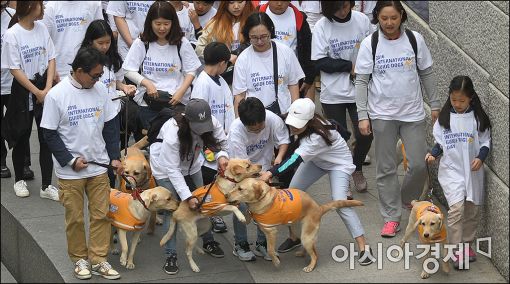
x,y
431,189
206,193
110,167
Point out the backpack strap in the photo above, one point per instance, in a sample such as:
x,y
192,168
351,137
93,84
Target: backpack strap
x,y
374,42
414,45
410,36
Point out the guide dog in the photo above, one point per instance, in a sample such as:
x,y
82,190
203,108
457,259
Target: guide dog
x,y
195,223
270,207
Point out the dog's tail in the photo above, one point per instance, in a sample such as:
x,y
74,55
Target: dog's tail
x,y
339,204
142,143
168,235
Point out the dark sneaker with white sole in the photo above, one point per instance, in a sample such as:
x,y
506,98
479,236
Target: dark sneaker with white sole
x,y
218,225
366,257
289,245
213,248
171,265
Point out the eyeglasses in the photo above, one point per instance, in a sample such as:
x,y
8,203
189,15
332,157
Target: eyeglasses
x,y
263,38
96,77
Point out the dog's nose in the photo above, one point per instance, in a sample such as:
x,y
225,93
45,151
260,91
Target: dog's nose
x,y
426,235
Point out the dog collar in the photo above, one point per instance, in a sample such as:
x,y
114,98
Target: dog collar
x,y
136,196
433,208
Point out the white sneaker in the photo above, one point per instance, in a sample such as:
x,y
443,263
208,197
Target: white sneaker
x,y
51,192
20,188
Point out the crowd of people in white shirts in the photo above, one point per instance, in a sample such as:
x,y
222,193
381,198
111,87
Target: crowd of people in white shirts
x,y
252,63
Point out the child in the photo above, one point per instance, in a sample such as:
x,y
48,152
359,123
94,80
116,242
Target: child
x,y
254,135
321,151
212,88
462,135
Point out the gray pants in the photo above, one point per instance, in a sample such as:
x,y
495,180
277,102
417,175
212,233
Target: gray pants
x,y
391,195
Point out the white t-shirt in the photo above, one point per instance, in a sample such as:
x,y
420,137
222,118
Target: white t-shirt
x,y
162,66
220,98
258,147
285,27
135,13
67,22
205,18
461,145
338,41
295,3
27,50
394,93
236,42
254,74
335,157
165,160
78,115
6,74
186,25
109,80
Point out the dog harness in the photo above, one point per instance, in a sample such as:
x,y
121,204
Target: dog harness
x,y
286,209
214,202
441,236
119,212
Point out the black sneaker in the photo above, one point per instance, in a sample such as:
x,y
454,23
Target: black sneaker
x,y
171,265
366,257
5,172
289,245
218,224
213,248
27,173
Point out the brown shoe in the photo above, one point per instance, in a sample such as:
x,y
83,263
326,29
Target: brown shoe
x,y
360,183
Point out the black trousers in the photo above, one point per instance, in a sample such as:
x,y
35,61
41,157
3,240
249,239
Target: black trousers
x,y
363,143
19,151
3,148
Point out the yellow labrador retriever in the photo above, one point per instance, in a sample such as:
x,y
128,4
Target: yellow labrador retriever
x,y
270,207
428,219
130,214
195,222
138,172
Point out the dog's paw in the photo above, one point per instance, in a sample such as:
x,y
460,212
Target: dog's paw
x,y
446,267
130,265
242,219
115,251
276,261
159,220
402,243
307,269
123,261
424,275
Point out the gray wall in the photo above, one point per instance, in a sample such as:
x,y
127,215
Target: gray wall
x,y
471,38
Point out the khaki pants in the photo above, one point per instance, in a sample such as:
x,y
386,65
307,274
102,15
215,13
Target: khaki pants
x,y
71,195
462,222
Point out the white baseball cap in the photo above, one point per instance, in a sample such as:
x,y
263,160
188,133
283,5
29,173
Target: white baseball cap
x,y
300,112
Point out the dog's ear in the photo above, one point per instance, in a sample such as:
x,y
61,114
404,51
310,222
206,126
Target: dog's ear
x,y
153,197
440,217
416,224
258,189
237,169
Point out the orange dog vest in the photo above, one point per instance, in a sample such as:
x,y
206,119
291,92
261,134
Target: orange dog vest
x,y
286,209
119,212
441,236
214,202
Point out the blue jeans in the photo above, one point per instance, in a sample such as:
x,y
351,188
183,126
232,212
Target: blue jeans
x,y
308,173
171,245
240,231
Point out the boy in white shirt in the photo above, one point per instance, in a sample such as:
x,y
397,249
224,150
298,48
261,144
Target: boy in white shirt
x,y
200,13
212,88
254,135
185,22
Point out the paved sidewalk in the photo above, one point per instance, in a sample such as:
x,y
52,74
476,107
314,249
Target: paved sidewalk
x,y
44,221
